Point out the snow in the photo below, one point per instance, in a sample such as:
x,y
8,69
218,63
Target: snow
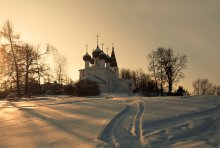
x,y
116,121
60,123
182,122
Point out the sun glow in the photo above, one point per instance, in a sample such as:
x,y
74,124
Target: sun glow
x,y
3,41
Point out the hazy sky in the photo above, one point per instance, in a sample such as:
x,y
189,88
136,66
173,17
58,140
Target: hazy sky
x,y
136,27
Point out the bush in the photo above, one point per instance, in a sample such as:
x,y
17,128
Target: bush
x,y
3,95
52,88
68,89
181,91
218,90
87,88
34,88
13,97
149,89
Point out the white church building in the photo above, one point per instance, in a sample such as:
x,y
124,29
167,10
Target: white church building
x,y
103,69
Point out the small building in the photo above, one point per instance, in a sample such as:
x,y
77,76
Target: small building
x,y
103,69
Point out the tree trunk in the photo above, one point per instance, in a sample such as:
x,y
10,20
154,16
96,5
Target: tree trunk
x,y
157,91
18,83
26,88
16,69
26,84
170,87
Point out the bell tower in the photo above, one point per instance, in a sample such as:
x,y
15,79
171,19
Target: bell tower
x,y
113,64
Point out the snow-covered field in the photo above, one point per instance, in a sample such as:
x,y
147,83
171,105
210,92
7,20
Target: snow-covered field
x,y
111,122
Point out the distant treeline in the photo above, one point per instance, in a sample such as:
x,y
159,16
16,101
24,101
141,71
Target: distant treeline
x,y
145,85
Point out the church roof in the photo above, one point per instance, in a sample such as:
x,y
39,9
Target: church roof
x,y
96,52
92,61
108,59
102,55
113,59
86,57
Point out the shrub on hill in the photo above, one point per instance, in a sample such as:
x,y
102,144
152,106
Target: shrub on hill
x,y
218,90
179,92
87,88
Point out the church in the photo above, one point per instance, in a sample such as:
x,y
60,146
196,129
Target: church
x,y
103,69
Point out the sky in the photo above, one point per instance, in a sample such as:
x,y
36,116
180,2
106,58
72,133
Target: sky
x,y
136,27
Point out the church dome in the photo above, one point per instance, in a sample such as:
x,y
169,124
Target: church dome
x,y
108,59
86,57
92,61
96,52
102,56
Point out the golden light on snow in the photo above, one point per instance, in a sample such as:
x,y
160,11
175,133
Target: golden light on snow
x,y
95,122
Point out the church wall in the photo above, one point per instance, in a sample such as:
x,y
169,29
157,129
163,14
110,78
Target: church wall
x,y
111,83
105,87
86,64
81,74
102,63
122,86
102,73
115,70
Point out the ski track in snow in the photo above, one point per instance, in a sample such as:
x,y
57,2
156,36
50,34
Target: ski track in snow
x,y
125,129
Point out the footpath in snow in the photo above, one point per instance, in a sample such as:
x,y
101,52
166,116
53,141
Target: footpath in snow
x,y
124,130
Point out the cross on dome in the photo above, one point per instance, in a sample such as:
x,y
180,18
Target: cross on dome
x,y
107,49
86,48
97,36
102,46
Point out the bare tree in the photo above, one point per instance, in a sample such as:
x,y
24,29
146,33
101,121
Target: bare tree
x,y
46,72
202,87
125,73
21,60
2,62
60,65
60,68
2,68
213,90
23,64
12,38
30,56
43,69
156,69
168,66
142,81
